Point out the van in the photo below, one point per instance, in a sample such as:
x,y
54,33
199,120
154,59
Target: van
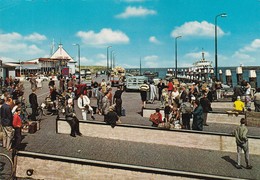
x,y
134,82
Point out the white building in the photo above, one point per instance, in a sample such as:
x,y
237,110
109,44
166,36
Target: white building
x,y
59,61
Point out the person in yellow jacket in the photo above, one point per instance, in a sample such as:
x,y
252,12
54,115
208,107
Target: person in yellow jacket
x,y
239,105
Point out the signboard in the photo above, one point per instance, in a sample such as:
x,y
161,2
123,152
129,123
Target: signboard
x,y
65,71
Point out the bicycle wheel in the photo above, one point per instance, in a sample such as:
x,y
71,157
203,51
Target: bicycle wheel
x,y
6,167
39,114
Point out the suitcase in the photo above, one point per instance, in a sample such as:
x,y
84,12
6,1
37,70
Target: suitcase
x,y
32,127
123,112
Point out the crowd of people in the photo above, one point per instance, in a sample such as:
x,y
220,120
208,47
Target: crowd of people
x,y
181,102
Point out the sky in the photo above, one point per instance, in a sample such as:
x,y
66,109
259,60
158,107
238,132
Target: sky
x,y
136,29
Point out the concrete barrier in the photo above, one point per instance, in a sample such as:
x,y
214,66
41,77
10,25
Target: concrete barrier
x,y
180,138
32,165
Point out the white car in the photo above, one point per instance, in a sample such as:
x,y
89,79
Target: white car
x,y
43,78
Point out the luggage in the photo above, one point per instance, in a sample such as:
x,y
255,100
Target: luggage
x,y
32,127
123,112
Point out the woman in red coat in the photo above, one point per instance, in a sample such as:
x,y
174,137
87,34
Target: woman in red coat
x,y
17,124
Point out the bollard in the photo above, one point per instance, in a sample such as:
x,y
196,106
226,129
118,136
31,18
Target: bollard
x,y
206,77
229,77
220,76
212,75
252,78
239,75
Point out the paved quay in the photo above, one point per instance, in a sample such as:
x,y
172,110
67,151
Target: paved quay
x,y
142,154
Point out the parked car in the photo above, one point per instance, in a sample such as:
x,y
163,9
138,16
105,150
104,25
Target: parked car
x,y
43,78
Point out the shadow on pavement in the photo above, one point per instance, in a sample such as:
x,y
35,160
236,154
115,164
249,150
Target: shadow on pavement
x,y
231,161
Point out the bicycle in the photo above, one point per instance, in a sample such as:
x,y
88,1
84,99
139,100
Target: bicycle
x,y
26,113
6,167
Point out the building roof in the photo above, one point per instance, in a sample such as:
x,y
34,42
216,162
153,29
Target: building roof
x,y
61,54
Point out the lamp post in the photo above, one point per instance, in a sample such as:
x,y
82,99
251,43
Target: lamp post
x,y
114,56
108,57
111,59
176,71
216,42
78,58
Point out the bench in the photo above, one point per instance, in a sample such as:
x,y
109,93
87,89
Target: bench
x,y
232,113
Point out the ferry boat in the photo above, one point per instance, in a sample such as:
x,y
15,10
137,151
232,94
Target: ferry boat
x,y
169,73
202,66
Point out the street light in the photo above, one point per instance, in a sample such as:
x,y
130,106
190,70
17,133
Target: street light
x,y
78,58
176,72
111,58
216,42
108,58
114,55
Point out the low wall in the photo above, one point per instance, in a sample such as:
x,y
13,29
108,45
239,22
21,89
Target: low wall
x,y
45,166
253,118
222,118
181,138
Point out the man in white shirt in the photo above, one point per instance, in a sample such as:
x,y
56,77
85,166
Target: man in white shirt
x,y
84,105
39,82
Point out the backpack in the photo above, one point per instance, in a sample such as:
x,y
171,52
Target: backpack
x,y
186,108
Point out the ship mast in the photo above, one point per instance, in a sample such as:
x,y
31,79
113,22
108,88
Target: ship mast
x,y
203,55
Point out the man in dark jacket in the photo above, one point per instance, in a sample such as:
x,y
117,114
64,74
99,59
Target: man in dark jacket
x,y
206,106
34,104
7,121
197,116
111,117
160,87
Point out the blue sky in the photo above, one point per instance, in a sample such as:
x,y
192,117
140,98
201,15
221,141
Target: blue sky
x,y
135,29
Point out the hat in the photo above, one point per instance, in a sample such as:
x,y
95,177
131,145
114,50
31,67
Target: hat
x,y
238,97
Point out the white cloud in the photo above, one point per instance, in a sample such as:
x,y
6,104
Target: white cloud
x,y
101,56
254,46
136,12
35,37
151,64
154,40
14,42
104,37
249,53
151,58
93,62
197,55
240,55
8,59
9,37
197,29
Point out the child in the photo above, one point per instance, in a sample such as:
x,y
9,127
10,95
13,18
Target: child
x,y
156,118
167,111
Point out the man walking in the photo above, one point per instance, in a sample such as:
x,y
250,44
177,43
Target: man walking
x,y
84,105
7,122
242,143
34,104
206,106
